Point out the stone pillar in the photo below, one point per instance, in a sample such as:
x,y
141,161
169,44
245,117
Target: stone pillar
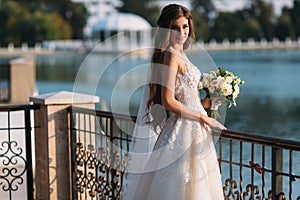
x,y
120,40
143,38
146,38
22,79
107,39
133,39
52,143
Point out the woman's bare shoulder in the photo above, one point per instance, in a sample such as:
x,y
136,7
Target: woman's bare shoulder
x,y
171,59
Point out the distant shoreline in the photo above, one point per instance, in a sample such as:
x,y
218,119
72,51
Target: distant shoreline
x,y
245,46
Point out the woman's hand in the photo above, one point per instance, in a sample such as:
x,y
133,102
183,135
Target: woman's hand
x,y
206,102
212,123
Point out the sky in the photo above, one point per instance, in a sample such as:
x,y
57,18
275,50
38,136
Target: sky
x,y
231,5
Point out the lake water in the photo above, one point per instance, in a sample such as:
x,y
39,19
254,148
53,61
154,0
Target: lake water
x,y
270,98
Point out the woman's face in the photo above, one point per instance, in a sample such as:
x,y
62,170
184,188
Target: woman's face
x,y
180,30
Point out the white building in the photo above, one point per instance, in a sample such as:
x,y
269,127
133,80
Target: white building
x,y
123,31
98,10
120,31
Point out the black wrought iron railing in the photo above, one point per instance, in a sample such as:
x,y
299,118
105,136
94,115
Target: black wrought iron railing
x,y
259,167
97,166
252,166
16,169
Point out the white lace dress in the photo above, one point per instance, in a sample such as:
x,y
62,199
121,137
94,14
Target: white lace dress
x,y
186,160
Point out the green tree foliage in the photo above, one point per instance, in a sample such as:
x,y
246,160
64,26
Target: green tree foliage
x,y
264,13
295,17
73,13
202,31
78,20
202,7
146,9
35,21
41,26
288,24
255,22
227,25
242,24
284,27
250,28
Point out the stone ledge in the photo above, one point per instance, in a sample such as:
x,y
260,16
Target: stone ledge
x,y
64,97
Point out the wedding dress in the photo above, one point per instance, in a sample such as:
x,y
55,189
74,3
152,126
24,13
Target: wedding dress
x,y
183,164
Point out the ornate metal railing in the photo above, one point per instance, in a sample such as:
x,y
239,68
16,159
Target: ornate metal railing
x,y
4,82
252,166
258,167
16,169
97,166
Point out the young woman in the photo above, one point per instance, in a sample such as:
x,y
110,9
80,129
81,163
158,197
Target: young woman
x,y
183,163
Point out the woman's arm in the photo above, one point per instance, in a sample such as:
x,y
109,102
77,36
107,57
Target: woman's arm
x,y
169,71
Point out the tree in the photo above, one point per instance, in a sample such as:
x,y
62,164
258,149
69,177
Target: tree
x,y
10,13
28,23
227,25
146,9
203,7
251,29
78,20
294,14
74,13
284,27
201,27
202,10
264,13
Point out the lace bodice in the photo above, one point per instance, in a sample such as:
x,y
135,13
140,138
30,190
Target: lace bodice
x,y
186,87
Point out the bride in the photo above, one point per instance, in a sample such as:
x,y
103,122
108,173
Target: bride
x,y
173,155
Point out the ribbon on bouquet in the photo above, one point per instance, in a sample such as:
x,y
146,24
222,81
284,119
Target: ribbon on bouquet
x,y
214,106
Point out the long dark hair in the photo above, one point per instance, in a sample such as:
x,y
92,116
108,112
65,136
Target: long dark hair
x,y
161,44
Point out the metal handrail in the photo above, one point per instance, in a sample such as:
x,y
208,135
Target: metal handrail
x,y
264,140
101,113
16,107
247,137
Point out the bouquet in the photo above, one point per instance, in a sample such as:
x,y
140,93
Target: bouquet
x,y
220,85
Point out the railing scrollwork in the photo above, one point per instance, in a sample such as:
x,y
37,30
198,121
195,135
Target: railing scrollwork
x,y
230,186
13,166
94,176
16,170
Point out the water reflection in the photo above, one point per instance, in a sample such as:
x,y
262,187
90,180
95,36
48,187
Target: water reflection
x,y
58,68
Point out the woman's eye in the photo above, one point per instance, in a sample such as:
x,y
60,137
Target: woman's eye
x,y
175,28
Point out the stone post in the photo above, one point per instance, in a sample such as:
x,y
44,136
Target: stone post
x,y
52,143
22,79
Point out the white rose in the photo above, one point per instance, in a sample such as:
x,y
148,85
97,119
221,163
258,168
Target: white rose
x,y
220,78
227,89
229,79
214,83
211,89
210,76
